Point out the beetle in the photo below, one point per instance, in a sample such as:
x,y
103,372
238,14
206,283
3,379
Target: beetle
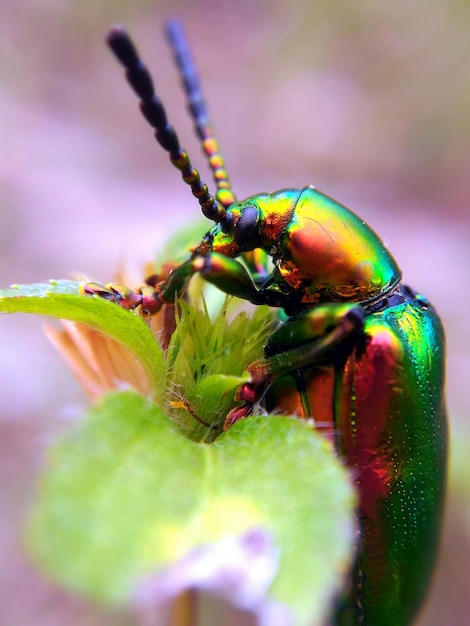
x,y
359,353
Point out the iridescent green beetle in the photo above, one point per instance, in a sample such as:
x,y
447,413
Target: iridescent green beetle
x,y
360,353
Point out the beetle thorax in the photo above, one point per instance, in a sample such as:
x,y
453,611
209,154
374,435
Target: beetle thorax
x,y
332,255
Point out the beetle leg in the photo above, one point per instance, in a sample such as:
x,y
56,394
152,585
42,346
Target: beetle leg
x,y
316,332
259,265
230,276
226,273
300,342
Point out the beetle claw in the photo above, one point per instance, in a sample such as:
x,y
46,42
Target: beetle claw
x,y
95,289
125,297
236,415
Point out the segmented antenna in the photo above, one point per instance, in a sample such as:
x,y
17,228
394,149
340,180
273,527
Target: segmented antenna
x,y
198,109
154,112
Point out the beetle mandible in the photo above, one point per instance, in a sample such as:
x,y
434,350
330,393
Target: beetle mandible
x,y
359,352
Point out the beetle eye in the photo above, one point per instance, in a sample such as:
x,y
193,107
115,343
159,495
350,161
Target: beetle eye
x,y
246,229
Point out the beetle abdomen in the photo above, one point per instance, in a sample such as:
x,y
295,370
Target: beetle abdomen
x,y
390,421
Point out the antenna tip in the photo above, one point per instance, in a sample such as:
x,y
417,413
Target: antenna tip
x,y
115,32
173,28
121,44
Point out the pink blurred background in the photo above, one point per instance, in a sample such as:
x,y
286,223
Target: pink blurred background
x,y
370,101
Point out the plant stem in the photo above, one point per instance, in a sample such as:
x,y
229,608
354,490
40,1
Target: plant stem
x,y
184,609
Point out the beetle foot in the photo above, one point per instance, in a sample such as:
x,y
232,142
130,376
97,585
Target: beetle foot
x,y
148,298
113,292
249,393
236,415
259,374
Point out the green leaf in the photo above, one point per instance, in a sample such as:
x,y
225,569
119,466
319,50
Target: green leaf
x,y
61,299
127,496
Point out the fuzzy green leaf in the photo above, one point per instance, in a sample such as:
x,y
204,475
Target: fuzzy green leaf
x,y
127,496
207,360
61,299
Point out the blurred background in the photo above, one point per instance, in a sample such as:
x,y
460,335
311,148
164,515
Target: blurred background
x,y
368,100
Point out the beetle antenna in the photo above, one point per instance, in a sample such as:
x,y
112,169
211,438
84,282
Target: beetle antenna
x,y
154,112
198,110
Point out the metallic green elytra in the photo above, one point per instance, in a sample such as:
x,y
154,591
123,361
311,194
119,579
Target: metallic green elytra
x,y
360,354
